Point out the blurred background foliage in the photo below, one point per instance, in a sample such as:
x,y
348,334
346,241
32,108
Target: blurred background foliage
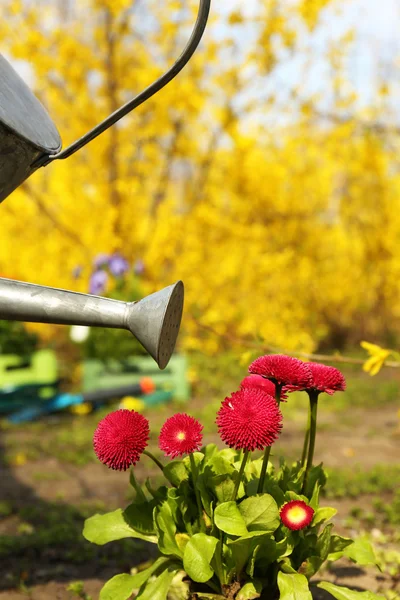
x,y
264,176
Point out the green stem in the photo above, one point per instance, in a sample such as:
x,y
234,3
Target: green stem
x,y
196,491
263,470
313,431
306,437
240,474
278,390
150,455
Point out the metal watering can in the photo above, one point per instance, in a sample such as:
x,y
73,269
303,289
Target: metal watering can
x,y
30,140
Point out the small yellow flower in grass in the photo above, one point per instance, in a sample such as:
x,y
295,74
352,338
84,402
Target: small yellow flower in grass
x,y
19,459
81,409
296,515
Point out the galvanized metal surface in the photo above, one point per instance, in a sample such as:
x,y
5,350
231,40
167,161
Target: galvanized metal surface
x,y
22,113
26,130
154,320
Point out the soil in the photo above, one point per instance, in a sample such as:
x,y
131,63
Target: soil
x,y
44,577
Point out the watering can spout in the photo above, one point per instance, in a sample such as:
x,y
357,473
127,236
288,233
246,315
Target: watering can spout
x,y
154,320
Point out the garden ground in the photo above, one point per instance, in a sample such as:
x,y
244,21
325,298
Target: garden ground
x,y
51,482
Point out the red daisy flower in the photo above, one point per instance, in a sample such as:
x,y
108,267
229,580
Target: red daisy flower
x,y
326,379
296,514
282,370
120,439
180,434
256,381
249,419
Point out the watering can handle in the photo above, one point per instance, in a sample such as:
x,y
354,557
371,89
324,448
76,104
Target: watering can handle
x,y
197,33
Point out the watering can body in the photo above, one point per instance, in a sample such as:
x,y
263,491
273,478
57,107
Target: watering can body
x,y
26,131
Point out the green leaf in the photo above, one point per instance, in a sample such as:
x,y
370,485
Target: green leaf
x,y
260,513
205,497
267,551
310,566
293,587
176,472
140,496
251,565
198,459
209,451
286,567
228,518
324,541
295,481
198,555
140,516
243,547
285,547
315,497
322,515
290,495
101,529
250,590
159,494
361,552
182,540
218,465
337,546
270,487
121,587
173,499
316,475
166,530
253,468
343,593
223,487
229,454
158,589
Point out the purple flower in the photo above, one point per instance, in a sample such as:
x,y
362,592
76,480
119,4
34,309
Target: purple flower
x,y
118,265
101,260
138,267
98,282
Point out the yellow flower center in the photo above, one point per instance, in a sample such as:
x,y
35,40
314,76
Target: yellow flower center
x,y
296,514
181,436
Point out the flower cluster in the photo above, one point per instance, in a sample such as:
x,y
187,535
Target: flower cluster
x,y
221,499
105,264
257,381
293,374
282,370
249,419
117,266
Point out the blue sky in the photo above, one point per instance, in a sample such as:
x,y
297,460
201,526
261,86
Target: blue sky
x,y
374,54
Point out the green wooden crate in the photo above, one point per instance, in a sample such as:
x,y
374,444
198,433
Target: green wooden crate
x,y
98,375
